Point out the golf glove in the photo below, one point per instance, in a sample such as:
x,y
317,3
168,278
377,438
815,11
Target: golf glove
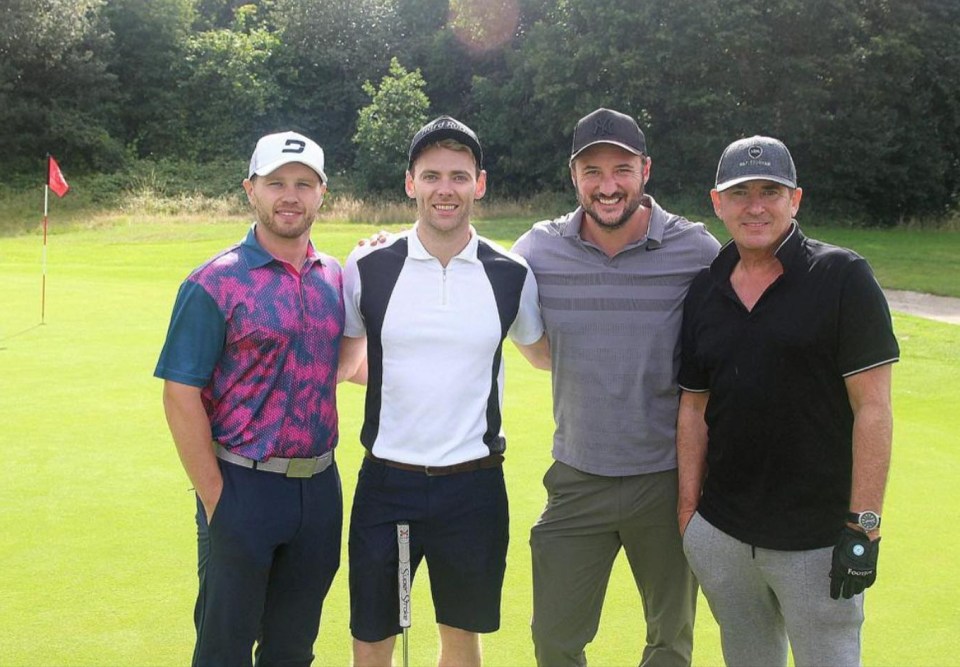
x,y
854,563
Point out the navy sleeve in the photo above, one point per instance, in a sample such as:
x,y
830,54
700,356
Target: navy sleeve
x,y
195,338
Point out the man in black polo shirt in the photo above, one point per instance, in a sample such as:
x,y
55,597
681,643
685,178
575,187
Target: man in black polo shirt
x,y
785,425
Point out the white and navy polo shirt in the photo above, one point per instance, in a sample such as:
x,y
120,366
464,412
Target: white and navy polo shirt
x,y
434,345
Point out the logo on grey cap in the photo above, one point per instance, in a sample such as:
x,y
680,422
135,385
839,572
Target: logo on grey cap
x,y
755,151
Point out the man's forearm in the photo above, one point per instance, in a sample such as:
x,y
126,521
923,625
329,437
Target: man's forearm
x,y
190,429
691,453
538,353
353,360
872,438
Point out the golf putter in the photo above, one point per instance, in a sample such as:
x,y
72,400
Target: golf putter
x,y
403,581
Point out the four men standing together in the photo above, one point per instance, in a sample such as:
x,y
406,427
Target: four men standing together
x,y
782,349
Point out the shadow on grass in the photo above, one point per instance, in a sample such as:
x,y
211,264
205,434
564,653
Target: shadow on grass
x,y
19,333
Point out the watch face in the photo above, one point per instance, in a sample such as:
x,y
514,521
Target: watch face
x,y
869,521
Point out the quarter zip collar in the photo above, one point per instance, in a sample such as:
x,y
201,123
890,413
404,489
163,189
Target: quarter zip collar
x,y
416,250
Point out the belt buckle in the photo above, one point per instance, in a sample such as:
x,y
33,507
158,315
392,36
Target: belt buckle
x,y
426,471
301,468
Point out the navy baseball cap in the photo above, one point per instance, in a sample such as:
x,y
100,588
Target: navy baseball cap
x,y
445,127
756,158
604,126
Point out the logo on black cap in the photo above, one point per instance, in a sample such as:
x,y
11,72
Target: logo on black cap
x,y
603,127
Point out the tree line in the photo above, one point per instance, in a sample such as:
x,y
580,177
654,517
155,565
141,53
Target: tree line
x,y
865,92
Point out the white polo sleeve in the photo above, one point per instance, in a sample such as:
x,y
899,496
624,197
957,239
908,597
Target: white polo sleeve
x,y
354,326
527,328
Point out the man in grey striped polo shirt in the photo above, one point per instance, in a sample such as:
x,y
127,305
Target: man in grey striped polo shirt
x,y
612,275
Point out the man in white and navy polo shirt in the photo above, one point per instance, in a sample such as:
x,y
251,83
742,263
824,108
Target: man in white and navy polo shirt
x,y
435,304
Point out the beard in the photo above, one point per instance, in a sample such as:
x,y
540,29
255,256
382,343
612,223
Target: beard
x,y
265,219
608,223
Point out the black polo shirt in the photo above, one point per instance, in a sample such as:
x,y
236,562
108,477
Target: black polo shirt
x,y
780,425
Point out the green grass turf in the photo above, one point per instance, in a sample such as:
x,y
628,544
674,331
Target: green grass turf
x,y
97,565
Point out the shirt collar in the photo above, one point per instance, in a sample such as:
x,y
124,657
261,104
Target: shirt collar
x,y
789,252
416,250
658,223
653,239
256,256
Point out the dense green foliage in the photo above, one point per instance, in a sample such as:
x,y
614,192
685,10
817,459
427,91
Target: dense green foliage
x,y
865,92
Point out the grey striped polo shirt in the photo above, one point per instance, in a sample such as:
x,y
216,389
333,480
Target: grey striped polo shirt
x,y
614,327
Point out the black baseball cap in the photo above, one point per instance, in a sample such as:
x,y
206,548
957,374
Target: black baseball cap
x,y
756,158
604,126
445,127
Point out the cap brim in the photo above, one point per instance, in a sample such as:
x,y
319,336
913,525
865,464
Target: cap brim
x,y
276,164
625,147
446,133
720,187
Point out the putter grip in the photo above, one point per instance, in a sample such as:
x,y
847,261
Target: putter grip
x,y
403,572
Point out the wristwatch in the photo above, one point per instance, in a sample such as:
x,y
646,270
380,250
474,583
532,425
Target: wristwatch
x,y
867,520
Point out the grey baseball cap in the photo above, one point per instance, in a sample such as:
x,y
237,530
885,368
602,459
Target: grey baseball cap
x,y
440,128
275,150
605,126
756,158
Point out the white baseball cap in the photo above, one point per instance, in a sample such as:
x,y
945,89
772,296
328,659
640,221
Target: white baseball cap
x,y
275,150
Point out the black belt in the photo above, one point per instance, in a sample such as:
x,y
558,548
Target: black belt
x,y
491,461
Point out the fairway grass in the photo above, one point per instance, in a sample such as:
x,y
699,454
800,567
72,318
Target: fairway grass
x,y
98,558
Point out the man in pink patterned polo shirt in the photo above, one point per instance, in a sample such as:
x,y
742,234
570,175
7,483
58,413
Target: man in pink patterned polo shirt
x,y
250,371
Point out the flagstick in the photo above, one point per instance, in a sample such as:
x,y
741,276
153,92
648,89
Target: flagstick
x,y
43,285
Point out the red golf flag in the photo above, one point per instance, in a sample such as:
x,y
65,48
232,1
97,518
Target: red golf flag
x,y
55,178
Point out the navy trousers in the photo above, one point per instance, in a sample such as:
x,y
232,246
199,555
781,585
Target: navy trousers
x,y
266,562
